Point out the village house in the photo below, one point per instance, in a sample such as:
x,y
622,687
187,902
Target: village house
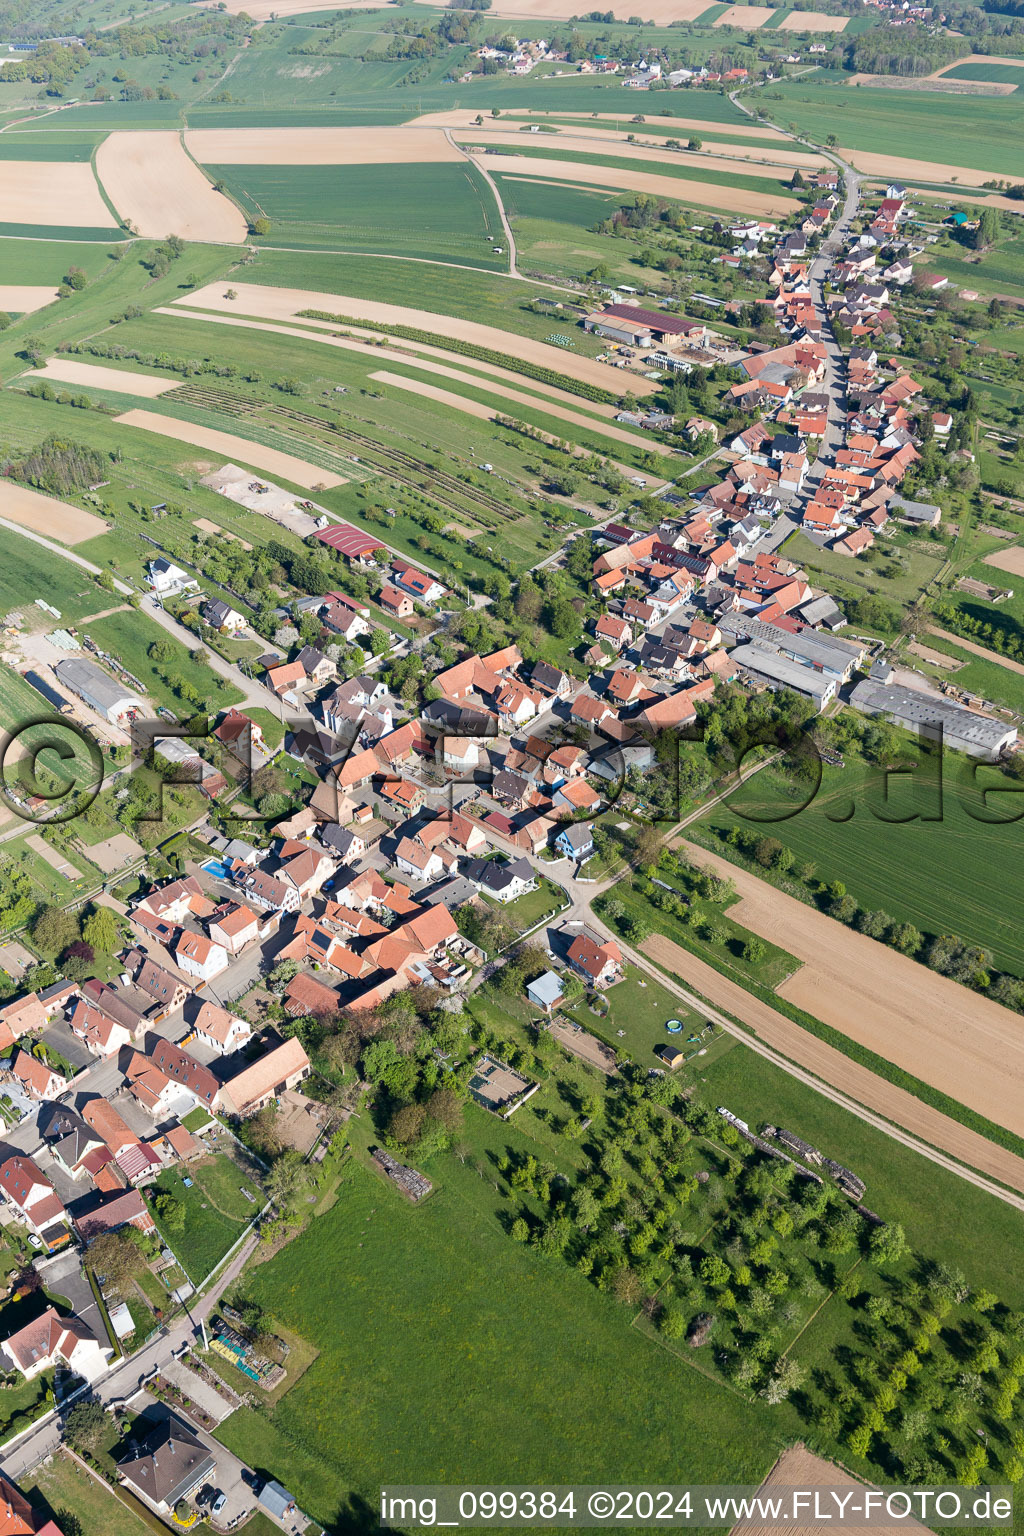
x,y
599,962
30,1195
199,956
52,1340
39,1080
281,1068
220,1030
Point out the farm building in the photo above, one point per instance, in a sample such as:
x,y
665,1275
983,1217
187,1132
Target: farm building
x,y
101,693
780,671
965,730
353,543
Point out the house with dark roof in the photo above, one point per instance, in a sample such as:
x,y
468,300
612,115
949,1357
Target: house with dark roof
x,y
183,1069
501,879
167,1466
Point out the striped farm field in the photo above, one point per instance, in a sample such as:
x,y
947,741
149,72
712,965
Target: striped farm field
x,y
434,211
996,74
237,449
288,304
702,190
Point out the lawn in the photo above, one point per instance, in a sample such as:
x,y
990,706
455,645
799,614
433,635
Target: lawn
x,y
129,636
532,908
63,1485
902,867
450,1354
640,1008
434,212
216,1213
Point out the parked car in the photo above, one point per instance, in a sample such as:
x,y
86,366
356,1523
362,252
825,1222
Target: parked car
x,y
218,1503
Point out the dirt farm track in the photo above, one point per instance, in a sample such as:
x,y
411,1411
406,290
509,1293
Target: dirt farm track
x,y
951,1038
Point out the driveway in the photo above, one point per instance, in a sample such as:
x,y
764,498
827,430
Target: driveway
x,y
64,1276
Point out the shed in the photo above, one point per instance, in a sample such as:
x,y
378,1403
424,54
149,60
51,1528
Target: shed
x,y
276,1500
546,991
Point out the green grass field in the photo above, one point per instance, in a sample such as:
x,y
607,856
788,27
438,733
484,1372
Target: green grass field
x,y
982,132
479,1359
433,212
129,635
216,1213
904,868
63,1485
1002,74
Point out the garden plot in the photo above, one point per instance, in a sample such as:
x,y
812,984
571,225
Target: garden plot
x,y
320,146
59,193
151,181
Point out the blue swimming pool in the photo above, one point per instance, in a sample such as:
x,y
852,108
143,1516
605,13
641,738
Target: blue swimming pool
x,y
217,867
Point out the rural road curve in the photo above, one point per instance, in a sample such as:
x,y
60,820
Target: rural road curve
x,y
513,270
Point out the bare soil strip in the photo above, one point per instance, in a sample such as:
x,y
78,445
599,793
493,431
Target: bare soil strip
x,y
963,1044
467,407
975,58
759,160
239,450
900,168
151,181
660,12
832,1067
978,650
23,298
394,351
516,397
285,303
319,146
797,1467
43,514
812,21
1011,560
52,192
66,370
705,194
934,84
262,10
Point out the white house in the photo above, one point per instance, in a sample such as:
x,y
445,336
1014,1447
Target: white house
x,y
169,580
233,927
221,616
222,1031
38,1079
53,1340
103,1035
30,1193
420,863
197,955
